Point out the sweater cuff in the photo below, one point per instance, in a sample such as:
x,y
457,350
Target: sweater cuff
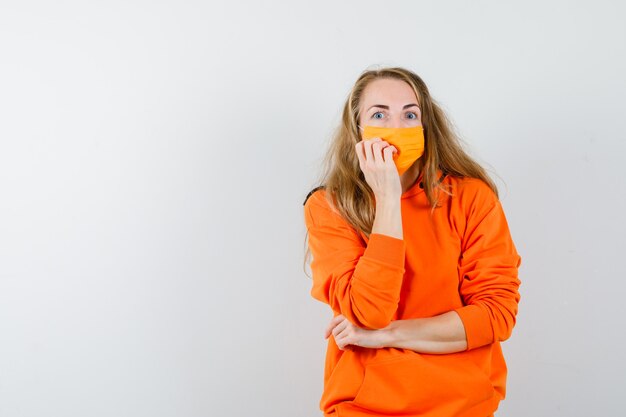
x,y
386,249
478,330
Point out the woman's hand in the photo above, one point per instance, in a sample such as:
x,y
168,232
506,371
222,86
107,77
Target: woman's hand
x,y
376,161
345,333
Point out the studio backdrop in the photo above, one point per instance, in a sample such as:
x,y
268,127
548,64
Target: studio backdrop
x,y
154,157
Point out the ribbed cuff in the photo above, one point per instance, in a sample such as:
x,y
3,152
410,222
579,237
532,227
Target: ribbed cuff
x,y
478,328
386,249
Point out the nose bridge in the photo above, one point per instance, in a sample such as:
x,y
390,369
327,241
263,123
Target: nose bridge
x,y
395,120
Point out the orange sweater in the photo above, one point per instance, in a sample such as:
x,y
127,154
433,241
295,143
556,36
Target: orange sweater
x,y
461,258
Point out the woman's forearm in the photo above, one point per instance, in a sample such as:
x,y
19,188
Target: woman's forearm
x,y
388,218
444,333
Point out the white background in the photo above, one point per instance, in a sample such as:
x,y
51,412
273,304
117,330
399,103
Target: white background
x,y
154,157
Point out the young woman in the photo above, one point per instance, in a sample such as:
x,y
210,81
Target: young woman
x,y
412,252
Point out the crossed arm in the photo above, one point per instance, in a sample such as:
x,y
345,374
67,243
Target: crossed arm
x,y
440,334
364,283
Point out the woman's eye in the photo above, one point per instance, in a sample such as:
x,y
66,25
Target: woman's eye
x,y
377,115
411,115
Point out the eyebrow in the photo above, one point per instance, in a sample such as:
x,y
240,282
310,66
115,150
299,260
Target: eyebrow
x,y
382,106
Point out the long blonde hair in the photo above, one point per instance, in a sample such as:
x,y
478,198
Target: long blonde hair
x,y
344,182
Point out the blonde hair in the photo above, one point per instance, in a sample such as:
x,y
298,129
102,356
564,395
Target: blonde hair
x,y
344,182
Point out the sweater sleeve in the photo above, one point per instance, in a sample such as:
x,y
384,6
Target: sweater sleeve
x,y
360,281
488,273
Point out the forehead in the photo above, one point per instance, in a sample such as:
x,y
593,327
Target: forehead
x,y
388,91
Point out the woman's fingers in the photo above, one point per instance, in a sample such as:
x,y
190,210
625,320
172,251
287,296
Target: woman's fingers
x,y
339,328
388,154
333,322
372,150
367,144
376,162
360,153
344,336
336,326
337,332
377,154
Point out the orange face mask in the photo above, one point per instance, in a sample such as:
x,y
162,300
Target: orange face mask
x,y
409,141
